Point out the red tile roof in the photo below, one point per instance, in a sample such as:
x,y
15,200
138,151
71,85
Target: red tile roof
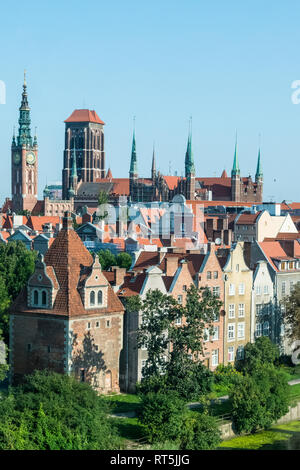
x,y
172,181
247,218
132,285
36,222
84,115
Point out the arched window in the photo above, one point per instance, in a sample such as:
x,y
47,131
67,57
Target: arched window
x,y
44,297
35,297
92,298
100,297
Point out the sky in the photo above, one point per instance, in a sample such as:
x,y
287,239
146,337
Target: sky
x,y
228,64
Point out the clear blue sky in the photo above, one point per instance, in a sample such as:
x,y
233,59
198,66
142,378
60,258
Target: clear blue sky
x,y
229,64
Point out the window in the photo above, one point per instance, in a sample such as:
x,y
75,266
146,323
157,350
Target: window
x,y
96,347
237,268
178,321
241,289
82,375
231,331
89,325
241,310
283,288
266,328
107,323
215,333
97,324
258,292
92,298
240,352
184,288
216,274
231,289
282,266
216,291
100,297
231,311
208,274
215,358
291,265
241,330
179,299
266,289
206,335
291,286
259,308
230,354
44,297
258,329
35,297
216,316
49,349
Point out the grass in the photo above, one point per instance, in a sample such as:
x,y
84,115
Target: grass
x,y
281,437
123,403
291,373
294,393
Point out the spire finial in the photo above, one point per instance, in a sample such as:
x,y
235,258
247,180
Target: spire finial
x,y
25,84
235,169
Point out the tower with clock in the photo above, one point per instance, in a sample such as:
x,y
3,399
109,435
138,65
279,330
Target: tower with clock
x,y
24,164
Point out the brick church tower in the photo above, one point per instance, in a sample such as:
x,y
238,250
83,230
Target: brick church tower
x,y
84,138
24,161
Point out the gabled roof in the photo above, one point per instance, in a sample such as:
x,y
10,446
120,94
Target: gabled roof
x,y
247,218
84,115
36,222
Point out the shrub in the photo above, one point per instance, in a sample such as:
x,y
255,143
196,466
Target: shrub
x,y
200,432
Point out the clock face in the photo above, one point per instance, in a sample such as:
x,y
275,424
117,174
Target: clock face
x,y
17,158
30,158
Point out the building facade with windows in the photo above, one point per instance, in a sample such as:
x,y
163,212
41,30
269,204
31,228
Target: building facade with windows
x,y
238,279
68,319
263,309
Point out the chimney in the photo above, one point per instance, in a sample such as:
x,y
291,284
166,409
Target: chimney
x,y
67,221
119,275
171,265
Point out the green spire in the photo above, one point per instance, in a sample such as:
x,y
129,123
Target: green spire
x,y
235,169
259,173
133,162
35,138
24,136
189,159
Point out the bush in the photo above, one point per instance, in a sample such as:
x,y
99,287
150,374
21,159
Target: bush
x,y
161,415
200,432
190,380
53,411
263,351
259,399
226,376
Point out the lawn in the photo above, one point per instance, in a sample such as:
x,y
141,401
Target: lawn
x,y
294,393
122,402
281,437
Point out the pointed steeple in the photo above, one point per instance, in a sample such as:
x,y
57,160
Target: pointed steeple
x,y
24,136
259,173
235,169
153,168
14,138
189,158
35,138
133,163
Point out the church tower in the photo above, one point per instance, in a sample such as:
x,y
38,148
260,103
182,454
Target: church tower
x,y
84,129
133,172
190,170
235,177
24,161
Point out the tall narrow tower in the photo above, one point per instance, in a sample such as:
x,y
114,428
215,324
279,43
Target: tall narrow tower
x,y
190,169
85,128
24,161
235,177
259,178
133,172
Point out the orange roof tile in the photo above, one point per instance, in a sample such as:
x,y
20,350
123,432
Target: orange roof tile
x,y
84,115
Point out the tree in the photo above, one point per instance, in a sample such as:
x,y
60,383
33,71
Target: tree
x,y
102,212
162,415
291,313
16,266
259,399
256,354
200,431
124,260
55,411
107,259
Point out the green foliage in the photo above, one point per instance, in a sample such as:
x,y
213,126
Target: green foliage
x,y
291,314
259,399
54,411
102,212
263,351
124,260
161,416
16,266
226,377
200,431
107,259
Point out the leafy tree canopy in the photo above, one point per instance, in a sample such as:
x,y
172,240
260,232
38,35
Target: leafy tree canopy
x,y
292,313
262,351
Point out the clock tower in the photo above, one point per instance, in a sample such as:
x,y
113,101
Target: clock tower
x,y
24,165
